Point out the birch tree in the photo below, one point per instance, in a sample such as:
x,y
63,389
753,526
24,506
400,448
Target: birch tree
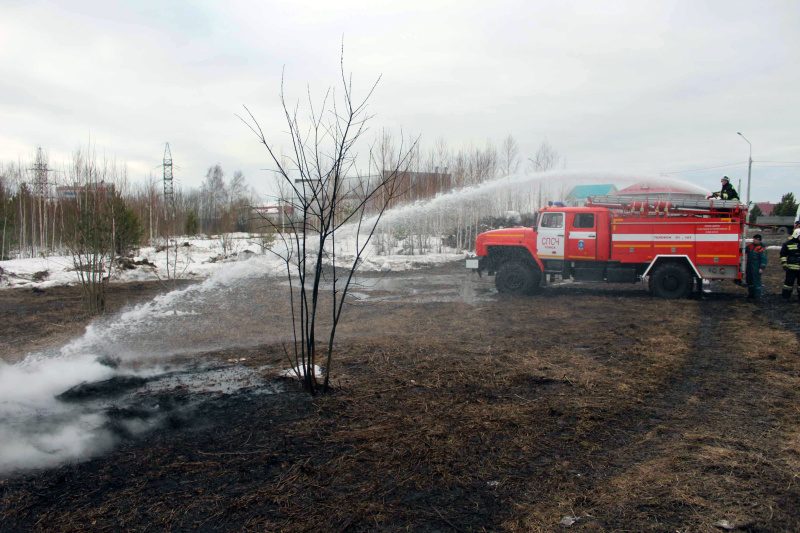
x,y
331,198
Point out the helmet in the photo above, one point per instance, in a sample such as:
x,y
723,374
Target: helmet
x,y
796,234
725,178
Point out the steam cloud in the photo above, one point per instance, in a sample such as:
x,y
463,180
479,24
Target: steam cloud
x,y
37,429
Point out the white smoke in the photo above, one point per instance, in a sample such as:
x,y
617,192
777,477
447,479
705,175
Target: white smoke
x,y
38,430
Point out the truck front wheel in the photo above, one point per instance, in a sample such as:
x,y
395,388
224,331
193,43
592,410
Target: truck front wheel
x,y
517,278
671,281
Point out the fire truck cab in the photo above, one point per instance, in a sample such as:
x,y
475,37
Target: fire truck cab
x,y
670,244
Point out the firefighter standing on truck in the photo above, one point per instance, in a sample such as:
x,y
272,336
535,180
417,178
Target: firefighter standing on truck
x,y
756,263
790,261
727,192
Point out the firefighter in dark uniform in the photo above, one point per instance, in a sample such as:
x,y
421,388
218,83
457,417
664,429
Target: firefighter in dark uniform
x,y
727,192
790,261
756,263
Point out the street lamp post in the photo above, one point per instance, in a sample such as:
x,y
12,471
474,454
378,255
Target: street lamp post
x,y
749,168
747,210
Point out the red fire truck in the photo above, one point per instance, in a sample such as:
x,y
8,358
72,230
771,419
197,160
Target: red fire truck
x,y
673,244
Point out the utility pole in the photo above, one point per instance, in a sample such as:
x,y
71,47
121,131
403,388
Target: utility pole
x,y
747,211
749,169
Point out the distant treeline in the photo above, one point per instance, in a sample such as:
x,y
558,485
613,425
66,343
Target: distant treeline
x,y
35,197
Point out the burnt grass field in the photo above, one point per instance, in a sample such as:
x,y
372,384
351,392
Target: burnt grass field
x,y
587,407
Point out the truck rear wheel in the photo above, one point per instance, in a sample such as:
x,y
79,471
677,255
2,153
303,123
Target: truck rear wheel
x,y
517,278
671,281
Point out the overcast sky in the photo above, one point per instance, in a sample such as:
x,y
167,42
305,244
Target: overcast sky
x,y
633,86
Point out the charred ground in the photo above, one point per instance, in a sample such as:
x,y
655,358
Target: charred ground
x,y
594,405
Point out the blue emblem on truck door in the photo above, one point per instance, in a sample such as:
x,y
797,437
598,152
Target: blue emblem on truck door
x,y
580,245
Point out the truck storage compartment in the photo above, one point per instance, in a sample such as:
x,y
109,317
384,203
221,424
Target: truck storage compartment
x,y
621,275
587,274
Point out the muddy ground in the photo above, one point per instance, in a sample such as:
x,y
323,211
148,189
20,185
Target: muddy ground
x,y
583,408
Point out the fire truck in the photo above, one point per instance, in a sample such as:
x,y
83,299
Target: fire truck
x,y
672,244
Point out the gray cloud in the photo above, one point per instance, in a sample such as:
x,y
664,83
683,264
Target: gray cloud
x,y
620,86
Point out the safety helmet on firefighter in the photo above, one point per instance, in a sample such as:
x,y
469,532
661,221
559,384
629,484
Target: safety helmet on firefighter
x,y
796,234
725,178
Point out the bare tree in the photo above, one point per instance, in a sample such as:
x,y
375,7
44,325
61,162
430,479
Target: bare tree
x,y
10,180
41,192
442,154
330,198
384,150
215,198
237,188
174,216
240,198
547,158
509,156
89,228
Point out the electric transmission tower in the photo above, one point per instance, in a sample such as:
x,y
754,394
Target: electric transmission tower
x,y
169,193
41,184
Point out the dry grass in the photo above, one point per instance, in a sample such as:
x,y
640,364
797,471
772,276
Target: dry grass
x,y
629,413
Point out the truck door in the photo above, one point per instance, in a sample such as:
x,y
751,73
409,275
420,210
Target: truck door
x,y
550,239
582,237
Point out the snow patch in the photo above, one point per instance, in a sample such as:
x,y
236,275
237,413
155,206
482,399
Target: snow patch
x,y
299,372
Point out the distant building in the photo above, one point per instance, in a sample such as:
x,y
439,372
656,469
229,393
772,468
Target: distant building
x,y
273,210
578,195
414,186
766,208
274,217
654,189
71,193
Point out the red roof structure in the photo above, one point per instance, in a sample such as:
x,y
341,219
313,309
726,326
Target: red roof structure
x,y
766,208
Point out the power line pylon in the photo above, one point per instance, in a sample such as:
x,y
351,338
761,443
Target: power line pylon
x,y
169,193
41,184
